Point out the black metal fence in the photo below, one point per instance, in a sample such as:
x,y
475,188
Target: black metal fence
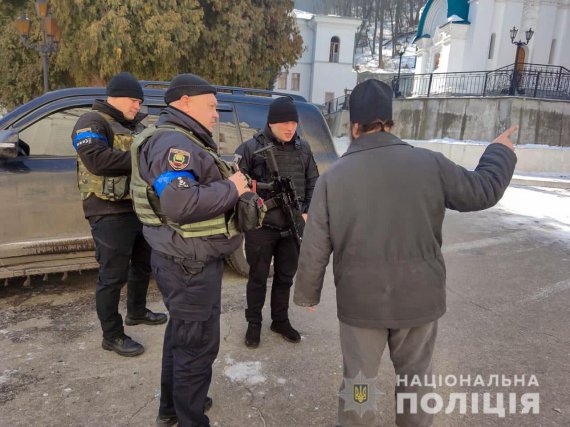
x,y
337,104
529,80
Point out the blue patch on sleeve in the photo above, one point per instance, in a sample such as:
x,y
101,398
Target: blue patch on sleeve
x,y
164,179
87,135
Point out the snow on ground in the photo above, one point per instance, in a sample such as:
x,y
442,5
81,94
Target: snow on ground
x,y
248,373
548,205
365,61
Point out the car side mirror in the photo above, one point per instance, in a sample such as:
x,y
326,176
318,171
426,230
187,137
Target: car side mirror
x,y
9,144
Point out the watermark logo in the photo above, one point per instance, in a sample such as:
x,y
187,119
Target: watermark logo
x,y
359,394
487,401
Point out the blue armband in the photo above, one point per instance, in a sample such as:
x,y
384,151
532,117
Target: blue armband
x,y
164,179
87,135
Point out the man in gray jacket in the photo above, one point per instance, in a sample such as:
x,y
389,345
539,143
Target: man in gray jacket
x,y
380,209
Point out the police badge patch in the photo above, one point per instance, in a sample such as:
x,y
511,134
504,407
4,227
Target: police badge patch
x,y
360,393
178,159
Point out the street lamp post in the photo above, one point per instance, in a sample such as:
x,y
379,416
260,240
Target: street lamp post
x,y
400,50
50,35
520,44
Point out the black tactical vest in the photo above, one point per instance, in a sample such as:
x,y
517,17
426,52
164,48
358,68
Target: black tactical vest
x,y
290,164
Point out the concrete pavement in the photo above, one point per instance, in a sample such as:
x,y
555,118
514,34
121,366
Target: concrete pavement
x,y
508,298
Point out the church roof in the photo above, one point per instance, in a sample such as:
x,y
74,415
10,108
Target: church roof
x,y
455,9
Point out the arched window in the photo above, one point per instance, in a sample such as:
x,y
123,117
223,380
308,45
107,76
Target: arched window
x,y
334,49
491,46
552,50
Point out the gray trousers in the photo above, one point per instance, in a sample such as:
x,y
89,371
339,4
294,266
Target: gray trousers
x,y
411,353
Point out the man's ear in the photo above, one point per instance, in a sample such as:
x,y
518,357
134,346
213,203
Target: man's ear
x,y
355,130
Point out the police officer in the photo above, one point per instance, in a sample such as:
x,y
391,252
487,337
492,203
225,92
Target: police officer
x,y
102,138
294,159
184,193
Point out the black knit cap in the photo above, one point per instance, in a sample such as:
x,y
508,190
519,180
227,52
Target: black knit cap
x,y
369,101
282,110
187,84
125,85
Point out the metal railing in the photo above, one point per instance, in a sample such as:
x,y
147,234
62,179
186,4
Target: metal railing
x,y
529,80
337,104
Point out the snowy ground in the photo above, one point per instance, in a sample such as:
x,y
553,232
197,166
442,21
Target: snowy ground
x,y
365,61
539,204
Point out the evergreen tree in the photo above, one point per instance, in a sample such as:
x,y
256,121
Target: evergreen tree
x,y
245,43
238,42
150,39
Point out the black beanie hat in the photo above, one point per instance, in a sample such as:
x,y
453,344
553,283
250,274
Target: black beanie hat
x,y
125,85
282,110
187,84
369,101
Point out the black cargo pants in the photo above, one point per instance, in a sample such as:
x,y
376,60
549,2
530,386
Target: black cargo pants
x,y
260,247
124,257
192,295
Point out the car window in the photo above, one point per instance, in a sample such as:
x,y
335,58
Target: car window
x,y
226,133
153,113
314,129
252,118
51,135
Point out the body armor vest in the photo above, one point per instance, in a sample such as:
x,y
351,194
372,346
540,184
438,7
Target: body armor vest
x,y
290,164
147,204
111,188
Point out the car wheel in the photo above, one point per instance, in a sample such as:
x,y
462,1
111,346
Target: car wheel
x,y
239,264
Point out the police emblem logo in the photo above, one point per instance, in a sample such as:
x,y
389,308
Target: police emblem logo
x,y
360,393
178,159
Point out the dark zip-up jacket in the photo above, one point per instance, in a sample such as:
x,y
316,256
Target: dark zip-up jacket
x,y
199,194
380,209
101,159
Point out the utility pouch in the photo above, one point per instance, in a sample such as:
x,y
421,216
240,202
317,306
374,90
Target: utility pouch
x,y
249,212
115,188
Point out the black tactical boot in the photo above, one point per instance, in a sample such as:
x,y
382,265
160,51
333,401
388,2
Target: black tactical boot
x,y
149,318
286,330
208,403
165,420
123,345
253,334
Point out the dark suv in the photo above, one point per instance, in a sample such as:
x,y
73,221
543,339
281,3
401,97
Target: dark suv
x,y
42,225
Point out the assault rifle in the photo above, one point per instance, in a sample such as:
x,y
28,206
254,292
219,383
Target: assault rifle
x,y
284,189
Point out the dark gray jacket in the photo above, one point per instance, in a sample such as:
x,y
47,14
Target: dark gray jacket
x,y
380,210
202,195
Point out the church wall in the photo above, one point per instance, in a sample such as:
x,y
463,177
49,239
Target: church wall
x,y
508,14
562,35
544,33
477,44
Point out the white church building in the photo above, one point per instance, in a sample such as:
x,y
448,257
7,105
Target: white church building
x,y
326,68
475,35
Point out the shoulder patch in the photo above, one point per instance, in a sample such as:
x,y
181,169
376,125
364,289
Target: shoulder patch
x,y
82,130
178,159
